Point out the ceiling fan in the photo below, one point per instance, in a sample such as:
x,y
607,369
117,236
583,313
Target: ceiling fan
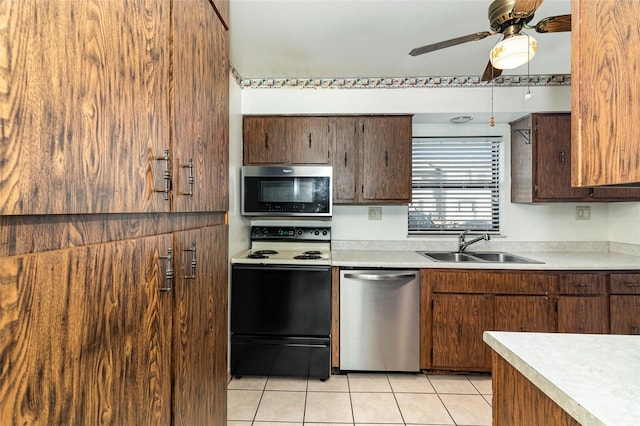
x,y
507,17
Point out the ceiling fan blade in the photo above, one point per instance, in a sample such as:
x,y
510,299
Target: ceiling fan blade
x,y
524,8
490,72
448,43
554,24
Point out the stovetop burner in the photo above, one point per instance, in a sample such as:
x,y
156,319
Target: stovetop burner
x,y
261,254
312,252
306,256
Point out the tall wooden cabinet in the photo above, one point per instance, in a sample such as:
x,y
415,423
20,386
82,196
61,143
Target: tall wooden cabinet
x,y
97,109
113,199
605,96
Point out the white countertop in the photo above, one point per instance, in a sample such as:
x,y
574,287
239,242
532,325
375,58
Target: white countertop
x,y
595,378
552,260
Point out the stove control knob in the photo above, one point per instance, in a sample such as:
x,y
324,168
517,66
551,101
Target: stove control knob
x,y
317,233
324,233
300,232
265,231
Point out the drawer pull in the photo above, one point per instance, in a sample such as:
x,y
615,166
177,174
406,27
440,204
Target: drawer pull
x,y
582,285
632,284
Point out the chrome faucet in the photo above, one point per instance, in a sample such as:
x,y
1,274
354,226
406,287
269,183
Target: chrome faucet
x,y
462,244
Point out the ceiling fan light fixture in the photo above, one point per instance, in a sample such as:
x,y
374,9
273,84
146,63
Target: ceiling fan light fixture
x,y
512,51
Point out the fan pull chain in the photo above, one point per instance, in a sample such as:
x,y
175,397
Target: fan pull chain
x,y
528,95
492,120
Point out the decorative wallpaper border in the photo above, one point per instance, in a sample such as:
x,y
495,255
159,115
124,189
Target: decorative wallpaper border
x,y
398,82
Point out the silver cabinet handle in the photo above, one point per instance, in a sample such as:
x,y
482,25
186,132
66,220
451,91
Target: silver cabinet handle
x,y
193,262
169,271
380,277
166,174
190,179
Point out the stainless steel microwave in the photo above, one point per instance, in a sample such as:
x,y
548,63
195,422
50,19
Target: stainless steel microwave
x,y
287,191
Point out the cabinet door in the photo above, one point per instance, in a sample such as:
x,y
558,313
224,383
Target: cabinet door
x,y
386,161
200,326
201,108
85,336
85,109
310,139
348,140
625,314
583,314
551,135
523,313
624,194
458,323
263,140
605,102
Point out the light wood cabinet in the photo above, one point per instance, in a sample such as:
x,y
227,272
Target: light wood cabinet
x,y
87,332
605,96
200,148
97,109
102,326
541,163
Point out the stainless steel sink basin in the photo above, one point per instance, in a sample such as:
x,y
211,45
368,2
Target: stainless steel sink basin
x,y
446,256
480,257
500,257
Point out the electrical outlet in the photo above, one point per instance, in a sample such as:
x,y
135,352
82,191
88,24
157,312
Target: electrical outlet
x,y
583,213
375,213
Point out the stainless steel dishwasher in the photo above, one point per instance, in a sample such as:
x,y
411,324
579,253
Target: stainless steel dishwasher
x,y
379,320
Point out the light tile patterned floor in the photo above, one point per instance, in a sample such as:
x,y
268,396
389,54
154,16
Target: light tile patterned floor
x,y
361,399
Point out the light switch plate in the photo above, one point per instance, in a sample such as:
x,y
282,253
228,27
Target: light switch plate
x,y
375,213
583,213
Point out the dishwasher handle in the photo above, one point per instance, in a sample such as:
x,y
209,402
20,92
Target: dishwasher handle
x,y
381,277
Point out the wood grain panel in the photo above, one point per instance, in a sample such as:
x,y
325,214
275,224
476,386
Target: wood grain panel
x,y
263,140
522,174
523,313
200,108
310,139
502,282
335,317
570,283
86,336
625,283
458,324
386,171
346,156
518,402
583,314
625,314
29,234
84,106
222,9
605,95
426,320
200,328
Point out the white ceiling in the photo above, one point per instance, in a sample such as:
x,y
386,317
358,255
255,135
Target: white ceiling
x,y
372,38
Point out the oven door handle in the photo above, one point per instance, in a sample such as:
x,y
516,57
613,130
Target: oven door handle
x,y
380,277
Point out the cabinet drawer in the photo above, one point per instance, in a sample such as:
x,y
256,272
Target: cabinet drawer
x,y
625,283
475,281
582,284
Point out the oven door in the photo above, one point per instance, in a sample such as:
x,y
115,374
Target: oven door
x,y
281,321
274,300
286,191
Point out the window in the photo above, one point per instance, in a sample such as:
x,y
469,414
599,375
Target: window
x,y
455,185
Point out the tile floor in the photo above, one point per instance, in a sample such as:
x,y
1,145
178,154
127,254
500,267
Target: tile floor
x,y
361,399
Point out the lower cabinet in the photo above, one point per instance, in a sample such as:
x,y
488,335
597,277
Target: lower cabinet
x,y
458,323
624,308
97,334
583,314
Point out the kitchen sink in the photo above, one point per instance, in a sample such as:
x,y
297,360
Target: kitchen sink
x,y
480,257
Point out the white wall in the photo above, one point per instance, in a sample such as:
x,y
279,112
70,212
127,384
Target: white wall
x,y
624,223
547,222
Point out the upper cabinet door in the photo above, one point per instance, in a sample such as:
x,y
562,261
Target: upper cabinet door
x,y
387,158
605,92
310,139
263,140
348,141
201,108
85,106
